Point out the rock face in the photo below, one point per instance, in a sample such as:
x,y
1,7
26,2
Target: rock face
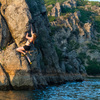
x,y
75,31
95,8
69,3
17,15
56,10
15,71
3,79
5,36
77,38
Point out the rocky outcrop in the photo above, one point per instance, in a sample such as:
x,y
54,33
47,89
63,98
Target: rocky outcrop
x,y
56,10
69,4
70,38
74,27
96,9
15,71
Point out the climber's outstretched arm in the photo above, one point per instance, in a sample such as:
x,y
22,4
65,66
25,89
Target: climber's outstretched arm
x,y
27,37
31,30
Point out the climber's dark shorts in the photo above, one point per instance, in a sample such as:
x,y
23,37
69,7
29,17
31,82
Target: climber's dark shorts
x,y
27,47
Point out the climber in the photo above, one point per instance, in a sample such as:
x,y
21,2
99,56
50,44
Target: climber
x,y
27,45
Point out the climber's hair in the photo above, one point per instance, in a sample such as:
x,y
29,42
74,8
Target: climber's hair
x,y
34,37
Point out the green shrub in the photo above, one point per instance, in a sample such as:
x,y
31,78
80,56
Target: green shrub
x,y
97,23
76,32
49,2
93,3
72,45
98,39
81,2
93,67
3,48
52,18
93,46
49,9
82,56
54,29
85,15
65,10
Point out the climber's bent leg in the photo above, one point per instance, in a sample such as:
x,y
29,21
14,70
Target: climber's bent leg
x,y
21,50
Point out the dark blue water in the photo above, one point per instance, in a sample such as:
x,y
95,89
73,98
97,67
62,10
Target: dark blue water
x,y
86,90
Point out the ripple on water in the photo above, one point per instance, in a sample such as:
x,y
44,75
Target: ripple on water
x,y
86,90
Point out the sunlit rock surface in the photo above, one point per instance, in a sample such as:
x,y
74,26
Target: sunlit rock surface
x,y
16,16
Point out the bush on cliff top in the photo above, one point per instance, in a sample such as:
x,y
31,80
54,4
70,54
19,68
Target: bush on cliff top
x,y
81,2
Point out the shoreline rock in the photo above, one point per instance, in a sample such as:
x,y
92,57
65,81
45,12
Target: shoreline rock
x,y
45,68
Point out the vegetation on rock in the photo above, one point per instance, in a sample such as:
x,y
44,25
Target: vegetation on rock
x,y
86,13
93,67
51,18
53,2
81,2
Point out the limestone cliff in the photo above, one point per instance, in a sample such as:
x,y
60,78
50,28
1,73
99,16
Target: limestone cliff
x,y
77,29
15,71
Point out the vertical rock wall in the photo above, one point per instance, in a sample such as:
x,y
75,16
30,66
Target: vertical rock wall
x,y
16,72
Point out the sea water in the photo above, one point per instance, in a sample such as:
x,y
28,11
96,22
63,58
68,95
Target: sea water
x,y
86,90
